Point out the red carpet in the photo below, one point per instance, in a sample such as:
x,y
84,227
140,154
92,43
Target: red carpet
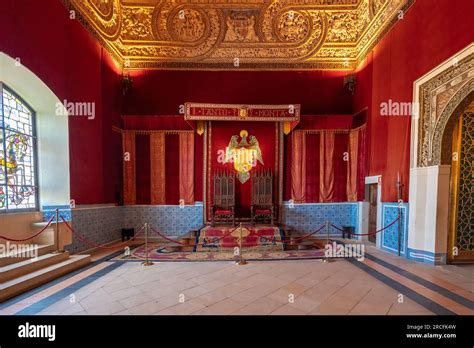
x,y
212,238
160,253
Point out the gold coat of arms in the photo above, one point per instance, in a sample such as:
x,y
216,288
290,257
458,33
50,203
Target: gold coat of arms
x,y
244,154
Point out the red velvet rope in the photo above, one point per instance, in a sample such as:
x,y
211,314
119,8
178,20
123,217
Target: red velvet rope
x,y
195,244
303,237
35,235
95,245
369,234
220,238
165,237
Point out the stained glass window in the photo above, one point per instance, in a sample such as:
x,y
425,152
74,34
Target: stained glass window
x,y
18,187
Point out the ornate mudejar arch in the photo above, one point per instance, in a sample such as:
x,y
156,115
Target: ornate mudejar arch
x,y
438,204
460,135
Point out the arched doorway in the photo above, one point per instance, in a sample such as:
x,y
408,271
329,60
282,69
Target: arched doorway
x,y
459,134
441,96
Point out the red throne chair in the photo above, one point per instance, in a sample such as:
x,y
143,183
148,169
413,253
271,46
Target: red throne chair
x,y
223,208
262,197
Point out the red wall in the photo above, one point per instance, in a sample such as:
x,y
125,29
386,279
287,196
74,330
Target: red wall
x,y
72,63
162,92
430,32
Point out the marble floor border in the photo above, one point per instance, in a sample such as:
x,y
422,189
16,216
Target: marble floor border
x,y
57,281
48,301
420,299
377,272
443,291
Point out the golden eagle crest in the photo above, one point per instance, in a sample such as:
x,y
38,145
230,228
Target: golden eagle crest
x,y
244,154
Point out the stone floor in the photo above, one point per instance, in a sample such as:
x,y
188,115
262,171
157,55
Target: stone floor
x,y
267,287
302,287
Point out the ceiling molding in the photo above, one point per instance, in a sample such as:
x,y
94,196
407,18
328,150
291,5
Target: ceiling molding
x,y
244,35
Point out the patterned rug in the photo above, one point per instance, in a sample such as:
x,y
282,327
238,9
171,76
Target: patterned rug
x,y
253,238
159,253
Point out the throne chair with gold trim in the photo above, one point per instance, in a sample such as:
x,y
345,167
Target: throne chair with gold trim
x,y
223,208
262,197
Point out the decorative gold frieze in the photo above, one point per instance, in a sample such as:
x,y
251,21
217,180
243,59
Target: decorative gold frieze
x,y
252,34
240,27
137,23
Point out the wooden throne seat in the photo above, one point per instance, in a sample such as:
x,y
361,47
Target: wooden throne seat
x,y
262,196
223,208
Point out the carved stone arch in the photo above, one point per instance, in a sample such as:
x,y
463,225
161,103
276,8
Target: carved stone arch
x,y
450,117
440,97
439,93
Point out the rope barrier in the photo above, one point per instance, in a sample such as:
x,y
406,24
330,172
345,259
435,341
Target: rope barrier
x,y
35,235
195,244
95,245
167,238
303,237
228,233
369,234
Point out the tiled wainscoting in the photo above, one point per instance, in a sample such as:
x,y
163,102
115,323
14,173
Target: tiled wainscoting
x,y
309,217
50,210
427,256
172,220
390,235
103,224
98,224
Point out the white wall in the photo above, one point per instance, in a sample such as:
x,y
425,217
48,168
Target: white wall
x,y
429,208
52,131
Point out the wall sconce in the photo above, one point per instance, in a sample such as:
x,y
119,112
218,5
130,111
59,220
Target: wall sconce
x,y
126,82
350,82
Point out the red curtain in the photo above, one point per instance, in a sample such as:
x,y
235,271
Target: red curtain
x,y
172,169
312,167
326,188
362,165
340,161
323,169
353,165
298,167
129,179
186,168
157,168
142,170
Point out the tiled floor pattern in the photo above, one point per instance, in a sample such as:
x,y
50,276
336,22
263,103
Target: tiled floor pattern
x,y
270,287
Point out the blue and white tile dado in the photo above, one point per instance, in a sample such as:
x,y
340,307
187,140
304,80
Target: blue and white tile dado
x,y
308,217
427,256
50,210
390,238
103,224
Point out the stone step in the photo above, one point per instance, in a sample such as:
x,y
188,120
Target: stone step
x,y
29,281
21,268
47,237
16,256
41,224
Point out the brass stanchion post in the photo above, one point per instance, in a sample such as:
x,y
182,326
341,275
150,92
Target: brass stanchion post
x,y
147,262
400,201
399,230
56,232
326,260
241,259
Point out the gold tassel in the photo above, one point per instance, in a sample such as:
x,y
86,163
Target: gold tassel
x,y
200,127
286,127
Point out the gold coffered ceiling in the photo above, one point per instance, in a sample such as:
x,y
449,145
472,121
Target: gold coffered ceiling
x,y
232,34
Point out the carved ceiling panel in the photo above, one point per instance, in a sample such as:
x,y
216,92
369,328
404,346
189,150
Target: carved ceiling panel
x,y
227,34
